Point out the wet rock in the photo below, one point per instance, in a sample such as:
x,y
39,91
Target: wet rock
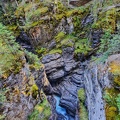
x,y
71,26
68,53
69,65
23,37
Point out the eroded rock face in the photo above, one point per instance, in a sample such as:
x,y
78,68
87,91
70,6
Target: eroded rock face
x,y
21,98
40,35
66,77
24,40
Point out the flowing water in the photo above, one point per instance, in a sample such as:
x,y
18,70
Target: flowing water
x,y
61,110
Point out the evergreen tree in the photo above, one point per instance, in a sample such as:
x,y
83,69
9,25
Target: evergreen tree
x,y
9,51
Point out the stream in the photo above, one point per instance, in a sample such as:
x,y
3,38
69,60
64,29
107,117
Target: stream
x,y
62,111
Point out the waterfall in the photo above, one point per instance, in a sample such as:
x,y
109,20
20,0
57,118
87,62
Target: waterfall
x,y
95,103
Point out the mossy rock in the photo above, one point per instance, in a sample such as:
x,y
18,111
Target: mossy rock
x,y
59,36
81,95
83,112
106,21
55,51
41,111
41,50
115,71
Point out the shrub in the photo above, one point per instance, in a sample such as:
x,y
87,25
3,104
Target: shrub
x,y
110,44
59,36
10,55
112,106
41,111
82,46
33,60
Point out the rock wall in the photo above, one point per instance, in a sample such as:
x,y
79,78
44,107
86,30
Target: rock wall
x,y
21,94
66,78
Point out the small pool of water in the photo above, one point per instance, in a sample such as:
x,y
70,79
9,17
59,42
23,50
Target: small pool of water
x,y
61,110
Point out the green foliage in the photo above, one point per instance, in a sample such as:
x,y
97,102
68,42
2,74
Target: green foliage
x,y
67,41
59,36
40,50
110,44
2,117
2,95
118,102
41,111
2,100
105,20
59,16
83,110
110,99
81,95
113,106
82,46
55,51
33,60
9,52
34,15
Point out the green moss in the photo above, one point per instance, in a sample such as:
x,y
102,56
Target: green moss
x,y
55,51
81,95
41,111
83,110
37,12
59,16
69,13
59,36
67,41
34,90
29,25
82,46
2,117
40,50
106,21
